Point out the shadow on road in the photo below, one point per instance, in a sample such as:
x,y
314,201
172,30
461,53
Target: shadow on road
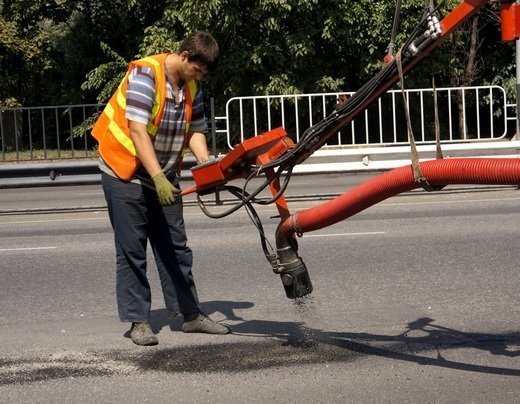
x,y
422,336
422,341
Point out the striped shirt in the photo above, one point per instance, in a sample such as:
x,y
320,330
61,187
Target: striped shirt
x,y
169,139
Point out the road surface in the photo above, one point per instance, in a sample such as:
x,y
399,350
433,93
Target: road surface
x,y
416,300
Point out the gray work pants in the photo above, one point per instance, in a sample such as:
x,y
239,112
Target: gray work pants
x,y
137,217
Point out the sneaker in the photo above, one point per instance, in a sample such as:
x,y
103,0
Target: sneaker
x,y
142,334
204,324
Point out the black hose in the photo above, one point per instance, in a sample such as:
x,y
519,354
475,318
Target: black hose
x,y
279,193
253,215
395,26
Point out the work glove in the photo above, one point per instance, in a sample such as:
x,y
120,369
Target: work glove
x,y
166,191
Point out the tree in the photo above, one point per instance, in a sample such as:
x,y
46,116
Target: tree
x,y
74,51
23,58
49,47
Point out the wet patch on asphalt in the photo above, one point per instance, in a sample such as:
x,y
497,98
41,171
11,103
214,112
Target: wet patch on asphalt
x,y
229,357
241,357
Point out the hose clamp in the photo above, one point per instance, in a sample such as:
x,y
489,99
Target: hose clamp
x,y
295,225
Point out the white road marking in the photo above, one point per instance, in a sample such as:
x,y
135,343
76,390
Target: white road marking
x,y
344,234
55,220
27,249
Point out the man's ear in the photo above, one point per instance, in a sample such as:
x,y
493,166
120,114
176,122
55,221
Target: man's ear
x,y
184,55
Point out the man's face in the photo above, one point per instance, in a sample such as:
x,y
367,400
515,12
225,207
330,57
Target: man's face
x,y
196,71
192,70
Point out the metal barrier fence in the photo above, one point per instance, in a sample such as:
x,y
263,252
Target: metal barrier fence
x,y
466,114
47,133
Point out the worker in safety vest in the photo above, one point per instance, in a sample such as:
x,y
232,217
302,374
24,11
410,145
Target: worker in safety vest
x,y
155,113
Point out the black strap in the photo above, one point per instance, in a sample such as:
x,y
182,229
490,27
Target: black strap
x,y
395,26
417,174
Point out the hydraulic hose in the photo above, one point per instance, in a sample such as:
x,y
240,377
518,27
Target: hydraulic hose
x,y
485,171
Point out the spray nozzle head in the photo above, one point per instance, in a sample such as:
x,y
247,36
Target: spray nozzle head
x,y
296,281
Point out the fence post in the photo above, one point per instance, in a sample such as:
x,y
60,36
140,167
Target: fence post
x,y
517,60
2,134
214,143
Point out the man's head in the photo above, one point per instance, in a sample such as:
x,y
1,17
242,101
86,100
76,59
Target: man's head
x,y
201,48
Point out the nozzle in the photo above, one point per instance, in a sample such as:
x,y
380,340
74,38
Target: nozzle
x,y
296,281
288,264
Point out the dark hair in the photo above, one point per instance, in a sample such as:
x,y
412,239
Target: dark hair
x,y
202,48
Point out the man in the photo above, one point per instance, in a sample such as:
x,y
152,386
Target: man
x,y
155,113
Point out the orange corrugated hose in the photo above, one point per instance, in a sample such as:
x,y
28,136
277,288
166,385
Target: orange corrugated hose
x,y
484,171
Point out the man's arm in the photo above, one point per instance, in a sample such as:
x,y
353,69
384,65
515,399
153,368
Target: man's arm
x,y
146,154
144,148
198,146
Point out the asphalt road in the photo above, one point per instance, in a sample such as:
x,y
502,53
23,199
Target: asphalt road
x,y
416,300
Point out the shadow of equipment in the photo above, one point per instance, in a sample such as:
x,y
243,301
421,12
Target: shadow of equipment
x,y
293,343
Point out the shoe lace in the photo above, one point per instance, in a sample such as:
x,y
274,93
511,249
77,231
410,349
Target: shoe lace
x,y
141,326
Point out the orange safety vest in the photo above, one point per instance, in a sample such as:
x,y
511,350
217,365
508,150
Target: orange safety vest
x,y
111,129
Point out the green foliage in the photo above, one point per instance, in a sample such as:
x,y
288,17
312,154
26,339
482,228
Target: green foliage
x,y
106,77
21,60
86,126
76,51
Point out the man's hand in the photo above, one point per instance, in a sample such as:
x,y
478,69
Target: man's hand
x,y
166,191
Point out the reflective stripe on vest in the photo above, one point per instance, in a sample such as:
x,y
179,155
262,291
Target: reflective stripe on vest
x,y
117,132
191,90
